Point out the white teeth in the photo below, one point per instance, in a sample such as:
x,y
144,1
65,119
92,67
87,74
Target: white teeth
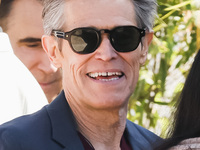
x,y
96,74
107,80
104,74
110,73
118,73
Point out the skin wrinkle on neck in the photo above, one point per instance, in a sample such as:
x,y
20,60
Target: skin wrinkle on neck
x,y
109,125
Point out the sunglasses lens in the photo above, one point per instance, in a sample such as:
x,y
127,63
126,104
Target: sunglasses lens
x,y
84,41
125,39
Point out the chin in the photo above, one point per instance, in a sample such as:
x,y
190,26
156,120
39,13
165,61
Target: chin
x,y
110,104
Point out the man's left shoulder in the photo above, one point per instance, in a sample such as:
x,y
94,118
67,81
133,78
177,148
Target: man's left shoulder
x,y
140,136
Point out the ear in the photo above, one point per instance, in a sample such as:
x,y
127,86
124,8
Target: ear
x,y
50,46
145,47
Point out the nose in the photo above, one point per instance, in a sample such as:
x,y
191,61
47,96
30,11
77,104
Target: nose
x,y
105,51
45,65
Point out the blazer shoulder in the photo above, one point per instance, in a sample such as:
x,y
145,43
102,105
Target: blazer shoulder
x,y
141,137
24,128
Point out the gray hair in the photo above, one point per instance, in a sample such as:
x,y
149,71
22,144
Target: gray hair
x,y
53,16
146,11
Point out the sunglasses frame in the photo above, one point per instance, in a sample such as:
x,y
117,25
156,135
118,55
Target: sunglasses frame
x,y
67,36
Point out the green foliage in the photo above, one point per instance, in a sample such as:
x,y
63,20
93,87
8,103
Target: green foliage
x,y
170,57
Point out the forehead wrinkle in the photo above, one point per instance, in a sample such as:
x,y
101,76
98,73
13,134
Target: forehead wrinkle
x,y
99,20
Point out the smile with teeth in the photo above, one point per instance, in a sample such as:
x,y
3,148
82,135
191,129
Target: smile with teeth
x,y
105,76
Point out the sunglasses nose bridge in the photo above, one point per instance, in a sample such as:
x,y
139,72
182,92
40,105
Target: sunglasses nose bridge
x,y
104,36
104,31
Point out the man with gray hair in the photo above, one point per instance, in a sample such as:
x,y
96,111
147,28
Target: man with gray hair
x,y
100,46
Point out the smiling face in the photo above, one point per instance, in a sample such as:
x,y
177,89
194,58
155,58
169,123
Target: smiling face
x,y
25,31
104,79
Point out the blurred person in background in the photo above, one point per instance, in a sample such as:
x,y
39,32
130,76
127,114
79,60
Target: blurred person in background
x,y
22,21
185,130
20,93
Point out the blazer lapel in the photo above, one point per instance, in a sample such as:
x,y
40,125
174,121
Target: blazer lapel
x,y
140,138
64,124
133,136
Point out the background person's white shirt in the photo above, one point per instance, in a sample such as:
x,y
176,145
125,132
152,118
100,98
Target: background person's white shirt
x,y
20,93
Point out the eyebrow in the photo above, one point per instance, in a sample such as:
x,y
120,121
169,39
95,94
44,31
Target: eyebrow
x,y
29,40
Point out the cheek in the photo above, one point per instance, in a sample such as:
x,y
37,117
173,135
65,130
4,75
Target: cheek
x,y
74,74
133,63
26,56
71,80
29,56
70,69
134,69
133,60
74,64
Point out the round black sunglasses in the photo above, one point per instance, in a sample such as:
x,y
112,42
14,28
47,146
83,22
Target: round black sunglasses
x,y
86,40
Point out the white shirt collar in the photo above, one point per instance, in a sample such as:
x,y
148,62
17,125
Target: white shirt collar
x,y
5,45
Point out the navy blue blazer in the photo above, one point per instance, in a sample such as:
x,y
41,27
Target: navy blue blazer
x,y
54,128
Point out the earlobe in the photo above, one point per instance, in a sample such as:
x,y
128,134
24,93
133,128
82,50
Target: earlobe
x,y
50,46
145,47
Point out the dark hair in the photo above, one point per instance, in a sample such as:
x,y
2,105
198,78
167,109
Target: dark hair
x,y
186,118
5,9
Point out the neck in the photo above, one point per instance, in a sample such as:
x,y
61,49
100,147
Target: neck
x,y
103,128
